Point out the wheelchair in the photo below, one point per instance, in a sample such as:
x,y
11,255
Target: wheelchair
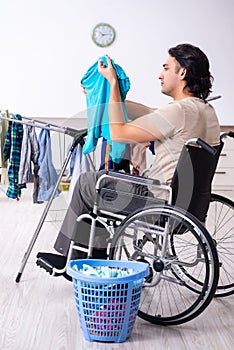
x,y
186,239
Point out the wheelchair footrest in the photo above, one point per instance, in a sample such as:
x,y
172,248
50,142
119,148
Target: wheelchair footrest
x,y
49,261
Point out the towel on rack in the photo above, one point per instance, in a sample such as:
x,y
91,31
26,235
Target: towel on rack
x,y
47,174
12,151
97,99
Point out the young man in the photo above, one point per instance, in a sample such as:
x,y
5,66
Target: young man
x,y
187,79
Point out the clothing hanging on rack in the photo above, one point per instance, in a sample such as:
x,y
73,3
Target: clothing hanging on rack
x,y
47,174
12,151
29,153
17,123
3,131
79,164
3,164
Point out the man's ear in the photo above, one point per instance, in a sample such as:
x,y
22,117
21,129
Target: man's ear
x,y
183,72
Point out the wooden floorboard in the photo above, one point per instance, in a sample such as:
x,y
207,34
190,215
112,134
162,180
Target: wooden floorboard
x,y
39,312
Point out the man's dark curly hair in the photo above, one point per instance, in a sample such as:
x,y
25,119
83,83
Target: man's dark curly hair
x,y
198,78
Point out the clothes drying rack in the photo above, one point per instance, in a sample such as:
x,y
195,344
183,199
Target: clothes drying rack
x,y
78,138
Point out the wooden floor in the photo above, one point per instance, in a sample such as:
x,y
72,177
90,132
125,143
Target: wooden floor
x,y
39,312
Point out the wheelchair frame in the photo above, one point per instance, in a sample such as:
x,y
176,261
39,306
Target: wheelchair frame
x,y
205,253
200,289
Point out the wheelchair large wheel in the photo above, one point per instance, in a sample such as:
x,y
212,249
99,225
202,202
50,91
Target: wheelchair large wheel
x,y
169,296
220,225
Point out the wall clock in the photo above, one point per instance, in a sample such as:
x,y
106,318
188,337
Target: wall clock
x,y
103,34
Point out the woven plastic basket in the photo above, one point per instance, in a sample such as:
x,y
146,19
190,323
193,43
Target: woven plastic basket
x,y
107,307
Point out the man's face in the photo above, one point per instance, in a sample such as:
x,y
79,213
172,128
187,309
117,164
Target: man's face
x,y
171,77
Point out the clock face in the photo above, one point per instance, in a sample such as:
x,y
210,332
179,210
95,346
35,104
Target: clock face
x,y
103,34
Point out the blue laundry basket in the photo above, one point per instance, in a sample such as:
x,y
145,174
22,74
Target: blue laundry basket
x,y
107,307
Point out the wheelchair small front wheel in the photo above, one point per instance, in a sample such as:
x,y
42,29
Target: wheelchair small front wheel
x,y
176,246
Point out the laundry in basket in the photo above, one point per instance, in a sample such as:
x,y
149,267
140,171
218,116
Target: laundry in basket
x,y
107,306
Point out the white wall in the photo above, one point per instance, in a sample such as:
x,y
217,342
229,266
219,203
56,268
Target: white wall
x,y
46,47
